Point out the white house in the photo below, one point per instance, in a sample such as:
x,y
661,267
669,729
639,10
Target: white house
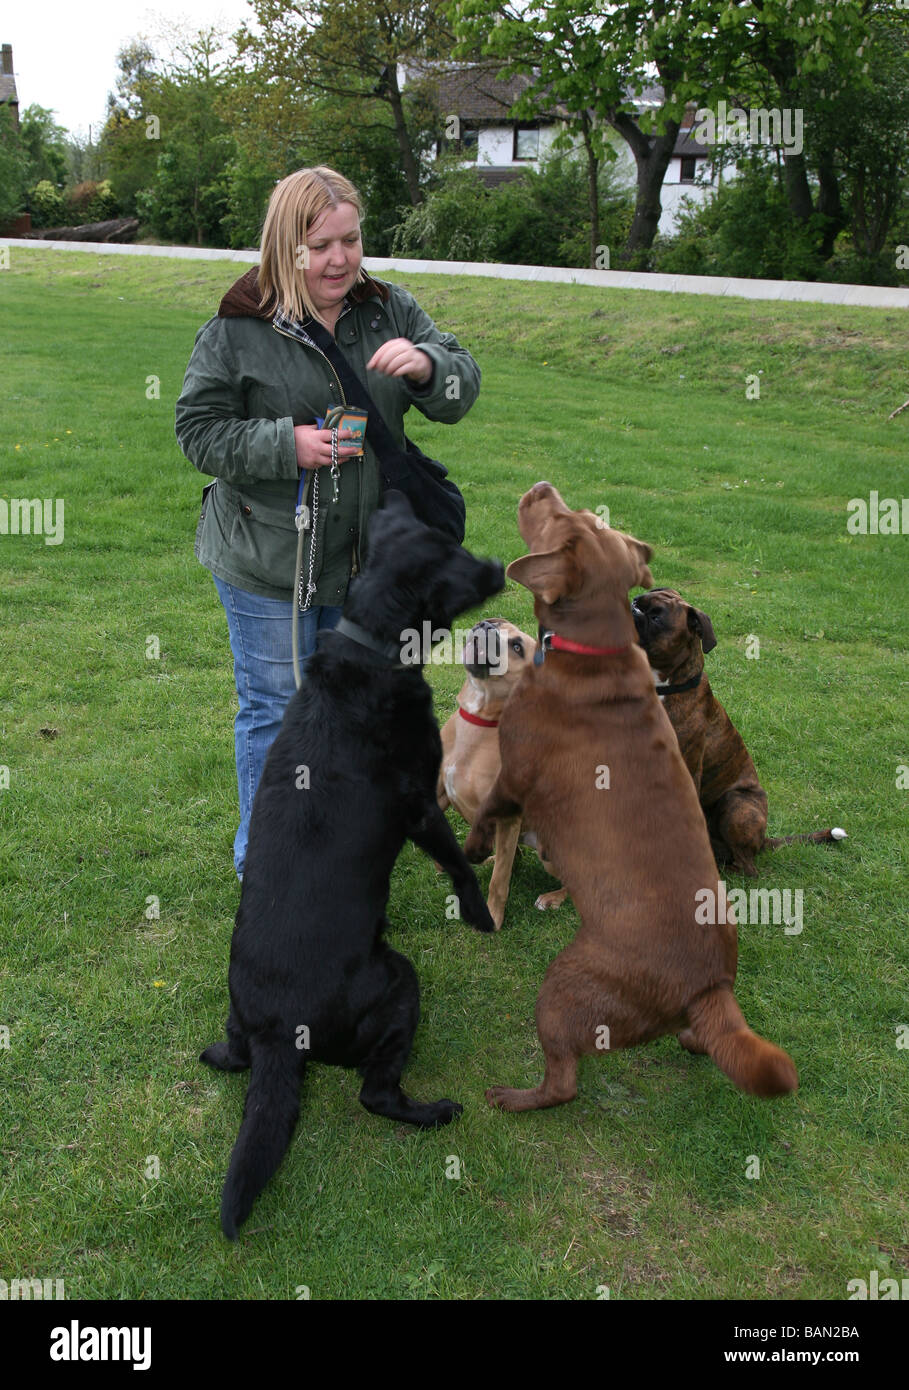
x,y
474,103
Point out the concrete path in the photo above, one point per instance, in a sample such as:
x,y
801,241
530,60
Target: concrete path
x,y
872,296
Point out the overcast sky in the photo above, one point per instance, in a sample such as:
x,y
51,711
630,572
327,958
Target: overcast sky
x,y
65,54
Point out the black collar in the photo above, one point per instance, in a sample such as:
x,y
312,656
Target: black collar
x,y
391,651
682,685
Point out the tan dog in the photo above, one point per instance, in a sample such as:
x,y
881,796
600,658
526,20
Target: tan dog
x,y
590,758
676,637
496,655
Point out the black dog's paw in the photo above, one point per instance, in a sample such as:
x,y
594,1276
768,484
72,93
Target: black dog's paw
x,y
473,909
221,1058
441,1112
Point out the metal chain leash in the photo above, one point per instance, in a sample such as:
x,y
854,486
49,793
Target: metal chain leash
x,y
305,602
335,465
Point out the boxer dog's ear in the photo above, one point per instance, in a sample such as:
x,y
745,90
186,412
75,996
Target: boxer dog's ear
x,y
699,622
640,553
550,574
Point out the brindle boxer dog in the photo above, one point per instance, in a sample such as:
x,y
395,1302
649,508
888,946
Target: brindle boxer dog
x,y
496,654
676,637
590,758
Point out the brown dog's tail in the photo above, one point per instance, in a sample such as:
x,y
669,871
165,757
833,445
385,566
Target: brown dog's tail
x,y
756,1066
816,837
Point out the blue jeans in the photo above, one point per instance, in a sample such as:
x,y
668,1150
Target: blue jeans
x,y
260,639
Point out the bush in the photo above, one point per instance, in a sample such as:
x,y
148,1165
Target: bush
x,y
745,230
542,218
451,224
538,219
47,205
188,200
90,202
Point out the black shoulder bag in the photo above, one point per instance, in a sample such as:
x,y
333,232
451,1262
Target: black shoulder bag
x,y
424,481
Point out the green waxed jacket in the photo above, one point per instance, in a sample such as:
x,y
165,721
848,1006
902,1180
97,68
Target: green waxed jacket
x,y
246,386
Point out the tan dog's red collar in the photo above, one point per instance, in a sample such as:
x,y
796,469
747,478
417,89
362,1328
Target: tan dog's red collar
x,y
475,719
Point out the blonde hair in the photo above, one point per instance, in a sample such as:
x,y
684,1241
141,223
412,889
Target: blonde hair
x,y
295,204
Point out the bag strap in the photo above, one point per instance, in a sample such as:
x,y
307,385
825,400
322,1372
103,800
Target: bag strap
x,y
394,462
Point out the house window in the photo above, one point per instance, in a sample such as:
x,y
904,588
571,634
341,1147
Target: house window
x,y
526,142
689,167
465,143
468,142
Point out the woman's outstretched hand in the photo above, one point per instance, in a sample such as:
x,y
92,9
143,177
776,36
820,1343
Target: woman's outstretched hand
x,y
399,357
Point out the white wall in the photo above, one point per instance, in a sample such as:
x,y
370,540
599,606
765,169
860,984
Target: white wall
x,y
495,145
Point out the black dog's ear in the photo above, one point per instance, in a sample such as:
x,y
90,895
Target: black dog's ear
x,y
395,501
699,622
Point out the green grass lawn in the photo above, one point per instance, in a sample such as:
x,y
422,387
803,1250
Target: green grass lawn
x,y
122,790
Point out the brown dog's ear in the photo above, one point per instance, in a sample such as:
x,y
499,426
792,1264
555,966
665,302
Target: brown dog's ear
x,y
699,622
640,552
550,575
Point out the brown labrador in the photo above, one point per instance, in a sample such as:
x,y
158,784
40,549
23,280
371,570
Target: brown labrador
x,y
590,759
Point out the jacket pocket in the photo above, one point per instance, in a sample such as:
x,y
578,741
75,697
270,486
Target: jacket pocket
x,y
205,494
263,539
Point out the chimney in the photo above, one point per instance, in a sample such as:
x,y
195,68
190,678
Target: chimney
x,y
7,59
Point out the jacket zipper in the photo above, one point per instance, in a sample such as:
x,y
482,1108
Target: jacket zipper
x,y
285,334
355,567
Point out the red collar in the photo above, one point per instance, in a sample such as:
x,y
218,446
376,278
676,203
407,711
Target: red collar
x,y
475,719
553,642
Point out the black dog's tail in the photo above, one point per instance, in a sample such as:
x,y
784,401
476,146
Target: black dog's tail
x,y
269,1116
816,837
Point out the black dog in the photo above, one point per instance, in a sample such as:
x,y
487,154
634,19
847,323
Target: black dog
x,y
350,776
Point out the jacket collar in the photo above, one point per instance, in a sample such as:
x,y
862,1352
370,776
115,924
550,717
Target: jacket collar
x,y
242,299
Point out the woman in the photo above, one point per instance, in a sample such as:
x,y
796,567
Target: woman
x,y
254,388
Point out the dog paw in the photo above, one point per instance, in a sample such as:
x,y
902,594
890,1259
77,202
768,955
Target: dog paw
x,y
221,1058
485,921
499,1097
444,1111
554,899
215,1056
475,912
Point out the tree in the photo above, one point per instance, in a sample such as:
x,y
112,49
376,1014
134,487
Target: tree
x,y
12,168
813,57
84,159
279,130
560,50
43,145
790,54
179,176
130,155
866,131
596,60
348,51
